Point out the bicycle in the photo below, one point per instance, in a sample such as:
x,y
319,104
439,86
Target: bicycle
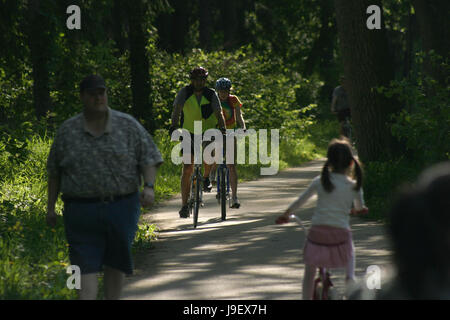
x,y
195,200
196,196
223,179
347,128
223,183
323,286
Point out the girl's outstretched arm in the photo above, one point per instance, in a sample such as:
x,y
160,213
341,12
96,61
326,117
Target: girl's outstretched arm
x,y
308,193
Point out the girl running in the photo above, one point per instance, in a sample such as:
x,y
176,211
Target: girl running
x,y
329,242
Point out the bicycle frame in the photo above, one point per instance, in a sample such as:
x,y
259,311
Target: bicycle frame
x,y
196,194
322,283
223,195
347,128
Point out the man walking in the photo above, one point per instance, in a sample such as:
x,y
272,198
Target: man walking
x,y
98,161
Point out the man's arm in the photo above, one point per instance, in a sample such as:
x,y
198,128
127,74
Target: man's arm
x,y
176,113
220,118
52,191
178,108
148,194
217,108
240,118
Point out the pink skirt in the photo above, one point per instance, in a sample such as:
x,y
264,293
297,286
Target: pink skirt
x,y
328,247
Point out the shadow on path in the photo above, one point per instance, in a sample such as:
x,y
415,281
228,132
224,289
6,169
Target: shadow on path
x,y
247,256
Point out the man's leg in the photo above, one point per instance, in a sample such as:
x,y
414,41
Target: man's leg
x,y
233,179
89,287
185,189
212,173
186,182
233,183
113,282
207,186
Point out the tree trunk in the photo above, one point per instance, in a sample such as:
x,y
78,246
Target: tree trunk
x,y
244,35
117,26
180,25
205,24
322,50
39,43
229,23
367,66
432,17
163,24
322,54
139,66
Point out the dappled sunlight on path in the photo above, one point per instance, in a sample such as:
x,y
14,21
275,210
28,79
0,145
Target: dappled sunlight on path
x,y
247,256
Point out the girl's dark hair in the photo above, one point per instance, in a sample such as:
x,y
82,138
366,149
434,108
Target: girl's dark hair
x,y
340,157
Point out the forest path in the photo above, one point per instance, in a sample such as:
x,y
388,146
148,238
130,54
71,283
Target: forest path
x,y
247,256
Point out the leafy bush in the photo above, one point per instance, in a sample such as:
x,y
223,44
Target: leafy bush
x,y
383,179
34,256
422,126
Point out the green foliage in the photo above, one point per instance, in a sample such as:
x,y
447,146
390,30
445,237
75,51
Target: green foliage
x,y
25,271
144,235
423,124
382,180
35,256
268,90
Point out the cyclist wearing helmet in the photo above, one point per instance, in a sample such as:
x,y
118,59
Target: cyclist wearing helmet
x,y
231,109
195,102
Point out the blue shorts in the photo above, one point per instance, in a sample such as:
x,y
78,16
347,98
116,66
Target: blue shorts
x,y
102,233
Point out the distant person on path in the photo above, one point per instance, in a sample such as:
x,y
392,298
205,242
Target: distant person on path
x,y
419,228
329,241
340,105
195,102
231,109
98,161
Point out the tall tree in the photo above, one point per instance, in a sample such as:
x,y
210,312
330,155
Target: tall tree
x,y
229,23
244,7
434,28
322,52
139,65
39,41
367,65
179,25
206,23
117,26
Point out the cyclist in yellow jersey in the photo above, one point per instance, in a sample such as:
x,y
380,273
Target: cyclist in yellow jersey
x,y
196,102
231,109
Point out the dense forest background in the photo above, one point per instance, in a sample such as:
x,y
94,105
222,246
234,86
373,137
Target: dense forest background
x,y
284,57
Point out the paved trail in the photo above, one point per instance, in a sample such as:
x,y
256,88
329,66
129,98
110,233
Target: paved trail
x,y
247,256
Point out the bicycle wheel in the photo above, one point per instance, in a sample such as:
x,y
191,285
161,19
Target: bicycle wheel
x,y
196,201
223,193
347,129
191,197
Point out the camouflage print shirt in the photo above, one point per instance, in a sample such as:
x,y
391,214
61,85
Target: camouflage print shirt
x,y
110,164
